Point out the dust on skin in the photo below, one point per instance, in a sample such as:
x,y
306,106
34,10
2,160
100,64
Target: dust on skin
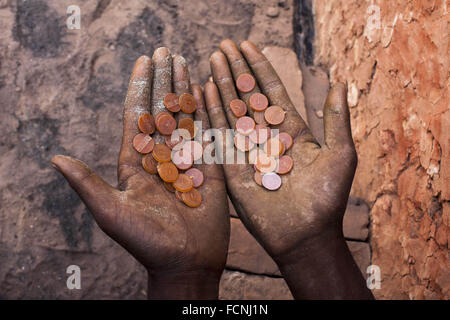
x,y
138,110
181,78
162,83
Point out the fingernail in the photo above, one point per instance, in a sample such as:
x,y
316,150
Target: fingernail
x,y
55,167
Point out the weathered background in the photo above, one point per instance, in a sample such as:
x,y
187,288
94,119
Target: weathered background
x,y
398,76
61,91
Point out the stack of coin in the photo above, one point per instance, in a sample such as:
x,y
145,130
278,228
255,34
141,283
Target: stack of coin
x,y
172,160
253,135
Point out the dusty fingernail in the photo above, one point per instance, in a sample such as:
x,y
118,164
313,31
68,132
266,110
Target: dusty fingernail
x,y
141,67
55,167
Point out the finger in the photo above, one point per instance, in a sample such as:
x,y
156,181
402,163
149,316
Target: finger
x,y
338,133
214,108
238,66
136,103
275,91
97,194
210,170
162,84
200,114
181,82
224,81
225,152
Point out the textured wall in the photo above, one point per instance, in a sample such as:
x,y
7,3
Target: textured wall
x,y
398,76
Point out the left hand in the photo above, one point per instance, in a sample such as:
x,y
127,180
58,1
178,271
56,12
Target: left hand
x,y
183,249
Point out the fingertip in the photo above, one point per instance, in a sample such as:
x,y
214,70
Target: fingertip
x,y
247,45
161,54
217,57
58,161
197,88
197,92
209,86
143,59
55,161
227,43
142,67
337,97
179,60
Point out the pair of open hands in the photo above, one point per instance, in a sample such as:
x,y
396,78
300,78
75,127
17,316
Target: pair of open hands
x,y
184,249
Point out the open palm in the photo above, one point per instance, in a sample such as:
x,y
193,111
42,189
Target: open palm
x,y
313,196
166,236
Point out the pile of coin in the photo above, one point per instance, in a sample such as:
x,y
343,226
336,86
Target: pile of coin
x,y
253,135
172,160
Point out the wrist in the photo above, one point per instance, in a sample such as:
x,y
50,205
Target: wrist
x,y
318,244
322,267
186,285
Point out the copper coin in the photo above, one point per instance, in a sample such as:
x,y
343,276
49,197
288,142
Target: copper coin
x,y
149,164
146,123
167,171
165,123
183,160
253,154
238,108
258,102
162,153
173,143
192,198
188,125
273,147
178,195
245,82
143,143
243,143
271,181
183,183
258,178
171,102
187,103
274,115
286,139
196,176
260,134
259,118
265,164
245,125
285,164
169,187
194,148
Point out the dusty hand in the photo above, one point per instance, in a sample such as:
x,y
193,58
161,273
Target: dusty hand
x,y
313,196
300,224
183,249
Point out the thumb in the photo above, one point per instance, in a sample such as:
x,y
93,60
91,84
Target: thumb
x,y
338,133
96,193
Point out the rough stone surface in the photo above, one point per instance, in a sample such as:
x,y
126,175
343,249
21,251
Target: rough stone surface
x,y
398,78
246,254
236,285
61,91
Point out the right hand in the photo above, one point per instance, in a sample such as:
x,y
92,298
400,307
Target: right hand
x,y
313,196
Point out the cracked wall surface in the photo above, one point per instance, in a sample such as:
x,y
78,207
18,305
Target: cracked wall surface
x,y
398,90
